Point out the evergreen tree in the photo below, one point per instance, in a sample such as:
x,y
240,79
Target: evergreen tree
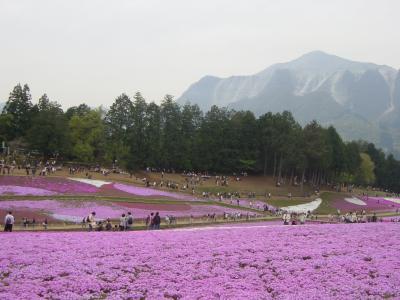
x,y
171,139
137,133
49,128
118,123
19,106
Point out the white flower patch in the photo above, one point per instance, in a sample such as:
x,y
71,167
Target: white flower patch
x,y
355,201
96,183
303,208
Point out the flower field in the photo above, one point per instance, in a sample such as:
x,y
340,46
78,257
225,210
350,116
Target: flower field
x,y
367,203
25,186
75,211
46,186
357,261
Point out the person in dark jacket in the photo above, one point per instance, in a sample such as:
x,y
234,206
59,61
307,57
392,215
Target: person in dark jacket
x,y
157,221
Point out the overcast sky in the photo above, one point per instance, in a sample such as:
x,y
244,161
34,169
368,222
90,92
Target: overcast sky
x,y
91,51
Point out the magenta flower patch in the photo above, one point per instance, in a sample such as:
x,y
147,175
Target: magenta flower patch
x,y
75,211
24,191
143,191
354,261
54,184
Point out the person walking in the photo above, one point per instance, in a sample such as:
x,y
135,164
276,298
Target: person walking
x,y
9,222
157,221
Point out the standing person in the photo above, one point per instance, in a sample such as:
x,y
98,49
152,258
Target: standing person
x,y
91,220
151,221
45,223
286,218
148,221
108,225
302,218
129,221
122,223
9,222
157,221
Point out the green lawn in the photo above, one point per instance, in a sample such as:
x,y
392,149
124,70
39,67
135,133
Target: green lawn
x,y
326,206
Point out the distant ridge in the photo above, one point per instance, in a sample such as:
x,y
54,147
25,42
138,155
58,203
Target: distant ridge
x,y
362,100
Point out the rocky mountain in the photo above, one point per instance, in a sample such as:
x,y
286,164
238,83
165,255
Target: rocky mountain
x,y
362,100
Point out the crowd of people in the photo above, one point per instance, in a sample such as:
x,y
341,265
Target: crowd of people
x,y
354,217
32,167
125,222
295,218
9,222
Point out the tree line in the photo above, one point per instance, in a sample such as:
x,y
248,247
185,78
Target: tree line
x,y
137,134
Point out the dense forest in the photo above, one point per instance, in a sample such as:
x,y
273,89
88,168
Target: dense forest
x,y
136,134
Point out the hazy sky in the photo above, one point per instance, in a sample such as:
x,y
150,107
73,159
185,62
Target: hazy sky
x,y
91,51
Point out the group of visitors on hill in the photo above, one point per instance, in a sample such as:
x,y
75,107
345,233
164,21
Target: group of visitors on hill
x,y
9,221
7,166
294,218
125,222
153,221
355,217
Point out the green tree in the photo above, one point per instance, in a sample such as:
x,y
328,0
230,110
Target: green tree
x,y
365,174
6,127
49,128
137,135
171,139
212,150
317,152
153,133
336,150
118,122
79,110
87,136
19,106
191,122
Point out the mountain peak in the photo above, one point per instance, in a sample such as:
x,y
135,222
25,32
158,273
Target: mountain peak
x,y
319,60
317,54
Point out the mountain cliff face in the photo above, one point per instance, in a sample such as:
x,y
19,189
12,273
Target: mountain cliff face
x,y
362,100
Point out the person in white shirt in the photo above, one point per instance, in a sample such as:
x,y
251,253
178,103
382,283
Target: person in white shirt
x,y
286,218
9,222
302,218
91,220
122,223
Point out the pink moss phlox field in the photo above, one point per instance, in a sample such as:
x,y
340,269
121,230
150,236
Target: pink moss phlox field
x,y
355,261
372,204
143,191
381,201
24,191
58,185
67,210
75,211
